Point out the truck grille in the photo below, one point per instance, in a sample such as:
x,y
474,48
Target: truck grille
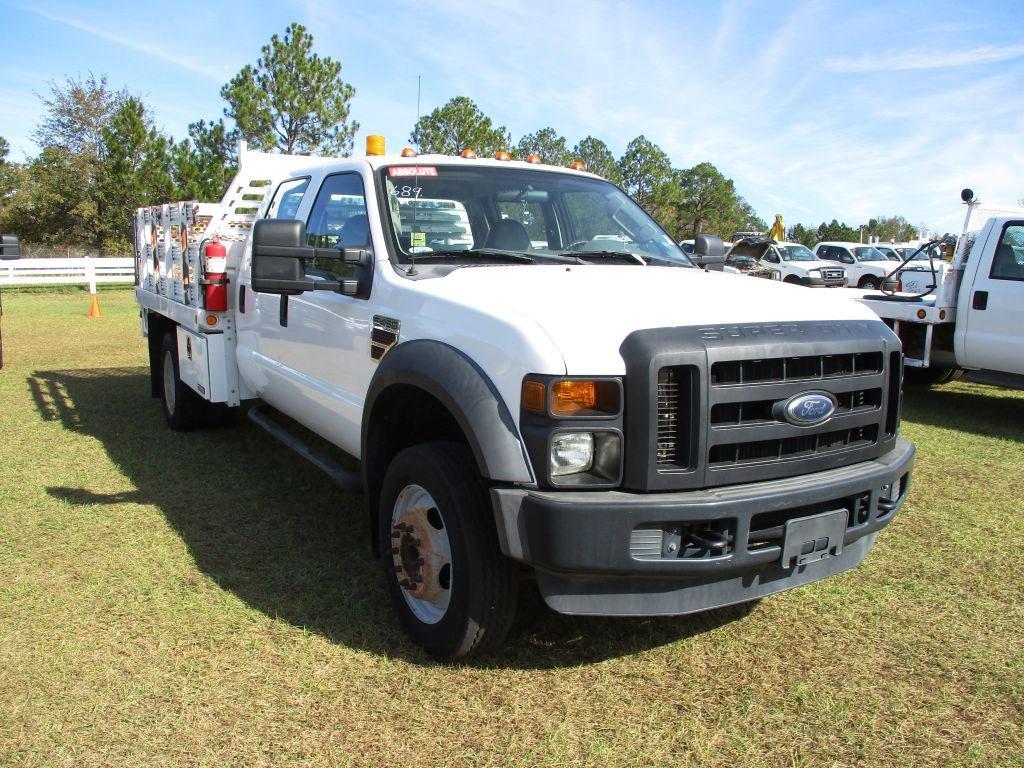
x,y
744,437
833,273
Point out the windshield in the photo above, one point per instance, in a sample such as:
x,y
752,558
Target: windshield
x,y
868,254
465,212
796,253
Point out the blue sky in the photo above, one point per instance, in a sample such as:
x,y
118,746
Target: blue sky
x,y
817,110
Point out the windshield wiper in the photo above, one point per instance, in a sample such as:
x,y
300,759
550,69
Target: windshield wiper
x,y
581,256
489,253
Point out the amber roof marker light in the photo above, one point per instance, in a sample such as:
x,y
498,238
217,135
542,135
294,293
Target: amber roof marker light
x,y
577,165
375,145
408,152
467,154
502,154
533,157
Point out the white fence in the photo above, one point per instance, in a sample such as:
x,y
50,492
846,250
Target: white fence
x,y
67,271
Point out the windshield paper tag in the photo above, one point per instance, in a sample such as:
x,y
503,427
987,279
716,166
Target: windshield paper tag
x,y
418,239
412,170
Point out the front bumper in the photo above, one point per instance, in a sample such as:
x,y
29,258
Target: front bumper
x,y
593,551
822,282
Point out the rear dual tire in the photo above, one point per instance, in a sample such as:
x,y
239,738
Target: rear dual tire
x,y
183,408
930,377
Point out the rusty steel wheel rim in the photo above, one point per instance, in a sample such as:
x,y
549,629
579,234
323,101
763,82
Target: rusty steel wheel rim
x,y
421,554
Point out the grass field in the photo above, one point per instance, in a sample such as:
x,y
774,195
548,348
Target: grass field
x,y
208,599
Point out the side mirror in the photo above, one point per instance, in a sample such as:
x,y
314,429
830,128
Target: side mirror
x,y
846,258
278,250
10,247
279,254
709,252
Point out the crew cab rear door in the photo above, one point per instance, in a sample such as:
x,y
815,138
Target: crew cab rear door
x,y
994,337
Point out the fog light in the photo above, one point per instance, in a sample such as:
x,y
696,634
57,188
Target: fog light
x,y
571,452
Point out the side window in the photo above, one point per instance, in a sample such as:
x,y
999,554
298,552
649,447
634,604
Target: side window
x,y
338,220
771,256
845,256
1008,262
825,253
287,199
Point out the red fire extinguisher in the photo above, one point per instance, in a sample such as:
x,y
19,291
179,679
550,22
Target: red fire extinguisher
x,y
215,278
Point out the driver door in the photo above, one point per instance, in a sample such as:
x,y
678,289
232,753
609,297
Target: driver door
x,y
995,315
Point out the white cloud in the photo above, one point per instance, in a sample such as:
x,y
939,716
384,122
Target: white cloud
x,y
935,58
164,53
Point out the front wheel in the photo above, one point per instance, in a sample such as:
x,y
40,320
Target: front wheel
x,y
792,280
869,283
453,589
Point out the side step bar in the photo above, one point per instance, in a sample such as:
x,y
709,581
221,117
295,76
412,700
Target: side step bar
x,y
349,481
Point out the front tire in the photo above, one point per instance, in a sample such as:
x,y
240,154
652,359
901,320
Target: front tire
x,y
869,283
792,280
454,591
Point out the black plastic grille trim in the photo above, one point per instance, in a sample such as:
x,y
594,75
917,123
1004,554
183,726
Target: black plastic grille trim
x,y
761,411
675,409
792,447
733,372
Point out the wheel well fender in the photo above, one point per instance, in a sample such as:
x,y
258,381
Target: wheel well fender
x,y
431,377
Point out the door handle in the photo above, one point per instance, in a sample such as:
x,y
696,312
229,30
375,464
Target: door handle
x,y
980,300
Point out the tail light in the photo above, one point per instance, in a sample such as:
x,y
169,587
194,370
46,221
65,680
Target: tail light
x,y
215,278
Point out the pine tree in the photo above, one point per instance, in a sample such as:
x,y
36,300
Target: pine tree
x,y
292,100
456,126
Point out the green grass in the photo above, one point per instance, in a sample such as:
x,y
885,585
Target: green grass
x,y
208,599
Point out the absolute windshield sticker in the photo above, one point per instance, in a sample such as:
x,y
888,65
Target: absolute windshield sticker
x,y
404,171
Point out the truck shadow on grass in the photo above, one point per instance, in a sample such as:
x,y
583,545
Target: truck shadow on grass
x,y
982,410
277,533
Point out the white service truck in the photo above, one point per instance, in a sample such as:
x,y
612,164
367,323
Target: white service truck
x,y
536,381
972,321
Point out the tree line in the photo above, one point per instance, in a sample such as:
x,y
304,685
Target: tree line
x,y
101,155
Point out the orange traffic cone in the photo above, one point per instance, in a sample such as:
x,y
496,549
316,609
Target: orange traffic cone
x,y
94,307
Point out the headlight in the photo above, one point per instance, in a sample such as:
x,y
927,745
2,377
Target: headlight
x,y
816,271
571,452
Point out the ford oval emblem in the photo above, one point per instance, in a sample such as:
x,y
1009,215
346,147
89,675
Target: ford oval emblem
x,y
809,408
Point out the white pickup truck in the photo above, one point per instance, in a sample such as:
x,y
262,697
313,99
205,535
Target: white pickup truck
x,y
795,263
536,381
973,321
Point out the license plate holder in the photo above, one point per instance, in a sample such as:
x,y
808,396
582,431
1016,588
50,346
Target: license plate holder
x,y
810,539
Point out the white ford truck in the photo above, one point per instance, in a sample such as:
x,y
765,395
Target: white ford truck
x,y
965,315
535,380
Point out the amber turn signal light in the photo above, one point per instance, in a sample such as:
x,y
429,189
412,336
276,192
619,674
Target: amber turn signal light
x,y
580,397
534,396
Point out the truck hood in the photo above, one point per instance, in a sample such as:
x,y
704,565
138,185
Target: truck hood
x,y
587,311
